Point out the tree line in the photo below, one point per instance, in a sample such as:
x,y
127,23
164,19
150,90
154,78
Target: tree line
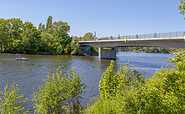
x,y
152,49
23,37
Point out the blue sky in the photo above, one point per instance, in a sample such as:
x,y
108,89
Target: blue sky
x,y
106,17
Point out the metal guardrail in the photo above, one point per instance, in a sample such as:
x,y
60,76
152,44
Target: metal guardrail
x,y
154,35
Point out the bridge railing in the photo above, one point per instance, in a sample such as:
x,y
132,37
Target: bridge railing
x,y
154,35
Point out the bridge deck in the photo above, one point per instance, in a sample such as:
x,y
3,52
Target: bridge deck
x,y
141,39
172,42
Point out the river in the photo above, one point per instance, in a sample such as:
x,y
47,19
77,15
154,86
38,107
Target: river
x,y
30,74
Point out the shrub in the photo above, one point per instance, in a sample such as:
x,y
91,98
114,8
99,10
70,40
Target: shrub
x,y
128,92
60,93
11,101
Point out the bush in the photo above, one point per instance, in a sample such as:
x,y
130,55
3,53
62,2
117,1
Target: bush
x,y
11,101
114,88
127,92
60,93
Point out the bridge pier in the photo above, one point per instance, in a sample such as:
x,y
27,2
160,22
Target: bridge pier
x,y
107,53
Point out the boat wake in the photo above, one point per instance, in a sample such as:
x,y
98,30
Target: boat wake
x,y
6,59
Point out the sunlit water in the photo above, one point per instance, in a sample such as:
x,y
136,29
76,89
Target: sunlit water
x,y
30,74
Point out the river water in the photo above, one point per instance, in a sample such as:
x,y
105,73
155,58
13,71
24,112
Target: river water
x,y
30,74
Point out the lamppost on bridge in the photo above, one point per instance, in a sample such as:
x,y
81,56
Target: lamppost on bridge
x,y
118,36
95,35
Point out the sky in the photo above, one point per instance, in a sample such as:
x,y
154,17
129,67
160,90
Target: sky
x,y
106,17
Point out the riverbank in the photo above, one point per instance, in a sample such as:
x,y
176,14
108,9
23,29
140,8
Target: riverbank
x,y
42,53
152,49
76,52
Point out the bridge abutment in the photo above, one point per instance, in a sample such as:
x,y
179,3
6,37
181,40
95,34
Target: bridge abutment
x,y
107,53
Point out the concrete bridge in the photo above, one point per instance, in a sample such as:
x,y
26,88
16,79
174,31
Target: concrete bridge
x,y
107,46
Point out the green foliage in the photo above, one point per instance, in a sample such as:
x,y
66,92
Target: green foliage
x,y
11,100
43,29
60,93
88,36
40,27
75,48
107,84
111,83
30,38
179,59
10,30
49,25
128,93
165,92
153,49
19,37
182,7
94,50
114,88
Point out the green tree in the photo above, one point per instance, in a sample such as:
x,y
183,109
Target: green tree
x,y
61,38
11,101
19,46
75,38
60,93
11,34
49,25
4,35
40,27
46,42
56,39
16,28
88,36
30,38
182,7
43,28
75,49
19,37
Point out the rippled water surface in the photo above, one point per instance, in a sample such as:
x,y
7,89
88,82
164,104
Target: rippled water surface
x,y
30,74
